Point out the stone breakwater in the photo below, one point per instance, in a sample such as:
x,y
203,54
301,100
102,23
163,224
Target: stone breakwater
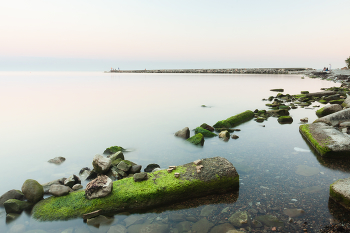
x,y
222,71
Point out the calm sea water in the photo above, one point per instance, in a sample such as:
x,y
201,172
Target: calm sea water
x,y
78,114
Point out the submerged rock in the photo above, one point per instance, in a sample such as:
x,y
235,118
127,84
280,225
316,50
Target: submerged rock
x,y
305,170
292,213
16,206
239,219
57,160
202,226
12,194
184,133
222,228
197,139
217,176
270,220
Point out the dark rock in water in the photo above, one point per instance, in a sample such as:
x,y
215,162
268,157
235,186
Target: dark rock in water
x,y
92,175
140,176
278,89
227,129
135,169
99,220
151,166
239,219
260,119
234,136
124,166
99,187
328,109
57,160
304,92
184,133
117,155
72,180
12,194
16,206
207,127
223,228
113,149
202,225
277,113
83,170
60,190
147,227
285,120
197,139
270,220
32,190
204,132
101,164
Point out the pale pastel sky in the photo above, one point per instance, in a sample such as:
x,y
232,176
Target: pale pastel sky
x,y
153,34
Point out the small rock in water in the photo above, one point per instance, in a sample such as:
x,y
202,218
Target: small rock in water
x,y
234,136
305,119
57,160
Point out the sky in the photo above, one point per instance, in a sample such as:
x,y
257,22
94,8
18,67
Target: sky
x,y
86,35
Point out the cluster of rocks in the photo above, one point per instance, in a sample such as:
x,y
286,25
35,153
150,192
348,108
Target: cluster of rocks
x,y
221,71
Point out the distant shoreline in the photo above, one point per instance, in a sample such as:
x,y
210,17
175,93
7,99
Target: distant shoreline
x,y
223,71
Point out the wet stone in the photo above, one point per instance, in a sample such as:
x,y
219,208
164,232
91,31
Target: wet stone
x,y
123,166
239,219
202,226
183,226
305,170
140,176
207,210
222,228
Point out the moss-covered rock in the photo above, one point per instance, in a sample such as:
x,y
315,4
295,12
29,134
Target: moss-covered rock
x,y
328,109
285,119
197,139
322,101
320,144
16,206
235,120
339,192
278,89
32,190
304,92
204,132
217,176
113,149
338,101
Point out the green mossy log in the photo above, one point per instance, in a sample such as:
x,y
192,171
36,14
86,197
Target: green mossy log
x,y
235,120
319,145
197,139
204,132
217,176
113,149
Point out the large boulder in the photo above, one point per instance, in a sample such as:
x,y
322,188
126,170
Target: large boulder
x,y
184,133
235,120
99,187
32,190
328,109
101,164
12,194
336,118
325,139
339,192
16,206
60,190
217,176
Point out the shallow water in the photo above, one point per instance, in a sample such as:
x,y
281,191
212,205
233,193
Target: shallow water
x,y
78,114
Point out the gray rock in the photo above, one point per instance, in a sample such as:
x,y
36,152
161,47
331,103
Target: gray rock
x,y
239,219
202,226
184,226
101,164
68,230
292,213
72,180
58,190
151,167
154,228
346,103
256,224
222,228
115,156
119,172
328,109
345,124
175,217
123,166
133,219
135,169
16,206
11,217
140,176
339,192
77,187
32,190
184,133
270,220
336,118
117,229
47,185
57,160
234,136
99,187
207,210
12,194
17,228
97,221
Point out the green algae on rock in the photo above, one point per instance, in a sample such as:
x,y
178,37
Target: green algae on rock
x,y
218,175
113,149
197,139
338,191
318,141
204,132
285,119
235,120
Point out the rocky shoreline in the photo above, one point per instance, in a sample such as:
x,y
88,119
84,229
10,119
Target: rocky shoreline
x,y
222,71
